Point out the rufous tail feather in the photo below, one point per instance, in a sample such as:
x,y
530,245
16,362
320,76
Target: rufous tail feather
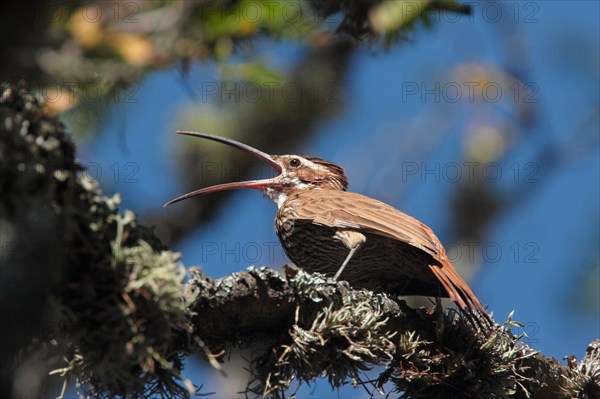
x,y
458,290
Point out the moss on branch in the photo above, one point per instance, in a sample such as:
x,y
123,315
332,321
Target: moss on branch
x,y
112,309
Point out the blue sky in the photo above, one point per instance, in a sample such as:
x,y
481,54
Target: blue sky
x,y
376,134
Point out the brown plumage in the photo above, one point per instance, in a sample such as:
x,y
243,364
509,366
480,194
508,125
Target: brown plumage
x,y
323,228
400,254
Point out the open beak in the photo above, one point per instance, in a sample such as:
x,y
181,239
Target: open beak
x,y
254,184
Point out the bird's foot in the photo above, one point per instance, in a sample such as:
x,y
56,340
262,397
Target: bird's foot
x,y
343,286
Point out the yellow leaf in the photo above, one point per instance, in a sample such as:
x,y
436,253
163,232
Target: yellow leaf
x,y
135,49
392,15
87,32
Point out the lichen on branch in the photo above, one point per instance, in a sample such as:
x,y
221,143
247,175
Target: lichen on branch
x,y
103,302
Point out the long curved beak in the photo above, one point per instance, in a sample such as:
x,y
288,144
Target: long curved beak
x,y
254,184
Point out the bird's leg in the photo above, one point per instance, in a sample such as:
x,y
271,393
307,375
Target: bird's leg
x,y
353,240
341,269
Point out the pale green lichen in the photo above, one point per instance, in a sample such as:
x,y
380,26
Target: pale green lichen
x,y
343,338
113,301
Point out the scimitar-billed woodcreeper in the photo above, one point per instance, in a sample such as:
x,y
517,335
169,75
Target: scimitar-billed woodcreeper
x,y
324,228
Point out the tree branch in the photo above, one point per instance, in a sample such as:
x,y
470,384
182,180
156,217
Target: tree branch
x,y
317,326
112,302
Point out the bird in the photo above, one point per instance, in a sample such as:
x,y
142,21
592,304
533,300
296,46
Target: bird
x,y
348,236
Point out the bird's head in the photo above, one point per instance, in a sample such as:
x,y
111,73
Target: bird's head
x,y
294,173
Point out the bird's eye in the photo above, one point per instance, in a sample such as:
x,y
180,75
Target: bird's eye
x,y
295,162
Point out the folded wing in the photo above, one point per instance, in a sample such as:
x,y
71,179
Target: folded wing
x,y
352,211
